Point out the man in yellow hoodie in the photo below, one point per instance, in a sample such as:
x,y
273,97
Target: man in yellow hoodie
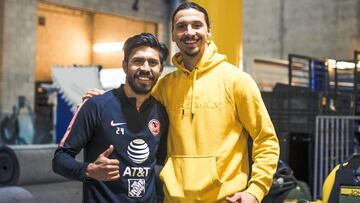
x,y
213,108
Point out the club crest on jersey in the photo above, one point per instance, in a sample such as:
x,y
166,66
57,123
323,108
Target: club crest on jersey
x,y
136,187
154,127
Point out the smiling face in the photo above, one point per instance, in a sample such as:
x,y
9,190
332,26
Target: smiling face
x,y
142,69
190,32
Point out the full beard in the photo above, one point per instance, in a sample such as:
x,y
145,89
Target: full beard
x,y
141,89
192,52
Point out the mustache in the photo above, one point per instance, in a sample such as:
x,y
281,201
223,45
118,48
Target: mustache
x,y
190,37
141,73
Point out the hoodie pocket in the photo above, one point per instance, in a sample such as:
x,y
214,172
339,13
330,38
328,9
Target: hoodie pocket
x,y
193,177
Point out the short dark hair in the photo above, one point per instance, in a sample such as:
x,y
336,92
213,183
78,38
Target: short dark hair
x,y
189,5
145,39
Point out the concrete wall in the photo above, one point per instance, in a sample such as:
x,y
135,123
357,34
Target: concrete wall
x,y
321,28
17,52
18,38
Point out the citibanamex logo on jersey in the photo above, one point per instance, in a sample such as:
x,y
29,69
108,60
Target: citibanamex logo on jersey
x,y
154,127
138,151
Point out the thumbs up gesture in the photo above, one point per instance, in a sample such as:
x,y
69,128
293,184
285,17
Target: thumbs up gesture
x,y
104,169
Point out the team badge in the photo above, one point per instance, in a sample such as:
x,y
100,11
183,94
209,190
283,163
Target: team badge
x,y
154,127
136,187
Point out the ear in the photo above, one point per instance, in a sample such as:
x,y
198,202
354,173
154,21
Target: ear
x,y
161,68
209,33
172,36
125,68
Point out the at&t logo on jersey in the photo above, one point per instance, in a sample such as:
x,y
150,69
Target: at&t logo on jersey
x,y
138,151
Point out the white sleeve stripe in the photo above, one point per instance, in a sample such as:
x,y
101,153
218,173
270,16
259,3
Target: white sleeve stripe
x,y
67,132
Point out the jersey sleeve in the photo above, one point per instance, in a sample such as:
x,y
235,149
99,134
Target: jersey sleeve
x,y
77,135
162,149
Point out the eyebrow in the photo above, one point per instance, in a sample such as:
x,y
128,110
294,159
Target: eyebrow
x,y
143,57
189,21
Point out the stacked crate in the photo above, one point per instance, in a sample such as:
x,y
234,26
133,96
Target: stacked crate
x,y
293,111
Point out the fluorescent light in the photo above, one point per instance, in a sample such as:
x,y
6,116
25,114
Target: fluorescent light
x,y
108,47
345,65
331,63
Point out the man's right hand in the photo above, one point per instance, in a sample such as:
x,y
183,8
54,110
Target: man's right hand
x,y
92,92
104,169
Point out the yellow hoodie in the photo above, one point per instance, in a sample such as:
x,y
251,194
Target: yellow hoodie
x,y
211,110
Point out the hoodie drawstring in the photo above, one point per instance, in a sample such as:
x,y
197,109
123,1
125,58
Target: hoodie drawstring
x,y
193,93
209,60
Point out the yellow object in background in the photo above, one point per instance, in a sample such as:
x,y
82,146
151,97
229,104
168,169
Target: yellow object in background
x,y
226,27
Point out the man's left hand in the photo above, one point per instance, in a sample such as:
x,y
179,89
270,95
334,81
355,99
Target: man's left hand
x,y
242,197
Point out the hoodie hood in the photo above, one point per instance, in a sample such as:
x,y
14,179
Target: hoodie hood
x,y
210,59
